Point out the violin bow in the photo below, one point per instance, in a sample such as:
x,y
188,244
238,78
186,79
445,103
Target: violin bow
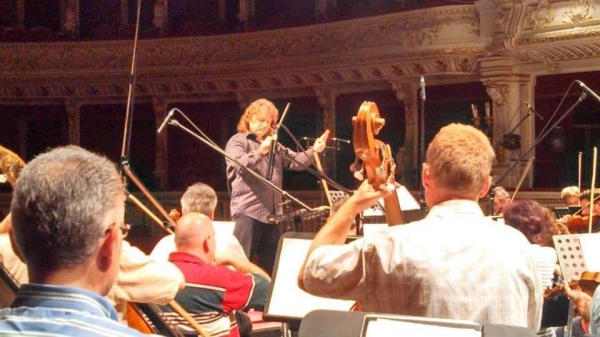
x,y
580,158
592,190
527,168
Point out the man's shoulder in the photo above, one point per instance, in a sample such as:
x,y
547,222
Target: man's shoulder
x,y
62,321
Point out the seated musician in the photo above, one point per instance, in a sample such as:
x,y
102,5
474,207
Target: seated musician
x,y
67,225
200,198
580,223
588,308
501,200
140,279
528,217
456,263
570,195
214,293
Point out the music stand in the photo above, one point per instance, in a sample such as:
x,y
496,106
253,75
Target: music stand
x,y
328,323
570,256
286,302
374,210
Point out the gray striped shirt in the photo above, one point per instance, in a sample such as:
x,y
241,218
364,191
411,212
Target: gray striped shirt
x,y
249,196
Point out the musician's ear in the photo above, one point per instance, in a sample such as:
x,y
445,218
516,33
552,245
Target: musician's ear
x,y
484,191
426,176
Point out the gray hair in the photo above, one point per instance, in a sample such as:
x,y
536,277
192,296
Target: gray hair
x,y
60,205
199,198
501,192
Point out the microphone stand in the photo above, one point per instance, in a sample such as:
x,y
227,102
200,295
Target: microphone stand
x,y
422,202
212,145
315,173
125,169
541,137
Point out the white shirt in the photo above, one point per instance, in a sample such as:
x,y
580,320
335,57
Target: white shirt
x,y
225,243
455,264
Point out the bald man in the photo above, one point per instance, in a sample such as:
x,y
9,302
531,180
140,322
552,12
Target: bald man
x,y
212,289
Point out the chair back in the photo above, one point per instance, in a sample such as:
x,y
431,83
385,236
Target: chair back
x,y
9,287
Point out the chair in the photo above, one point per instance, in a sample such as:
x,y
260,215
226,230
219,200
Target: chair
x,y
8,287
147,318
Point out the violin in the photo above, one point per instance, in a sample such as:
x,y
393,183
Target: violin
x,y
378,165
579,223
588,283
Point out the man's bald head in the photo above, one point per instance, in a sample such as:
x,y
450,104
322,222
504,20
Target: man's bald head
x,y
194,234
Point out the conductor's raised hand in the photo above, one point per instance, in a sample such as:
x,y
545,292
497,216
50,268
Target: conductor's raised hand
x,y
321,142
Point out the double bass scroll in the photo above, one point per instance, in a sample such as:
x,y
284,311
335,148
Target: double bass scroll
x,y
378,164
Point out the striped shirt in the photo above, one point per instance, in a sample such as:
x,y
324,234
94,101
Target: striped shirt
x,y
249,196
48,310
213,293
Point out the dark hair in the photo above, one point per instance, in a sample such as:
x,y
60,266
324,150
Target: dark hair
x,y
528,217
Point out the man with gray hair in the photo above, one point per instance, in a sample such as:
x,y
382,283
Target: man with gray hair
x,y
501,200
67,225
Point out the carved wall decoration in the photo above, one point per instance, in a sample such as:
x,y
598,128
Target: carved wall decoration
x,y
579,12
541,16
441,40
498,94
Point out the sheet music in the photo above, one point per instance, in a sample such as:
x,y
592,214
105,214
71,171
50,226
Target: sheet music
x,y
287,299
388,327
406,200
590,247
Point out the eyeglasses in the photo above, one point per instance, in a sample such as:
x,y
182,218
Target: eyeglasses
x,y
124,227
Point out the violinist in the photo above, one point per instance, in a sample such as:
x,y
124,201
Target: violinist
x,y
528,217
579,223
501,200
252,202
588,308
570,195
453,264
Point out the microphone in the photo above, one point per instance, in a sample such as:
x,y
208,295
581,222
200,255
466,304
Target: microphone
x,y
531,109
422,88
271,156
588,90
307,138
333,139
166,120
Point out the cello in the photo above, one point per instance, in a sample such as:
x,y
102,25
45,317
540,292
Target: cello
x,y
378,165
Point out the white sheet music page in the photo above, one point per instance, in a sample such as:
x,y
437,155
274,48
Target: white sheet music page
x,y
590,247
407,201
287,299
390,327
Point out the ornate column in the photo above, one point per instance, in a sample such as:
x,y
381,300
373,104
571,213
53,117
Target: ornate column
x,y
323,9
161,19
243,101
222,11
161,160
246,13
21,13
70,17
326,98
508,90
124,13
407,158
73,109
